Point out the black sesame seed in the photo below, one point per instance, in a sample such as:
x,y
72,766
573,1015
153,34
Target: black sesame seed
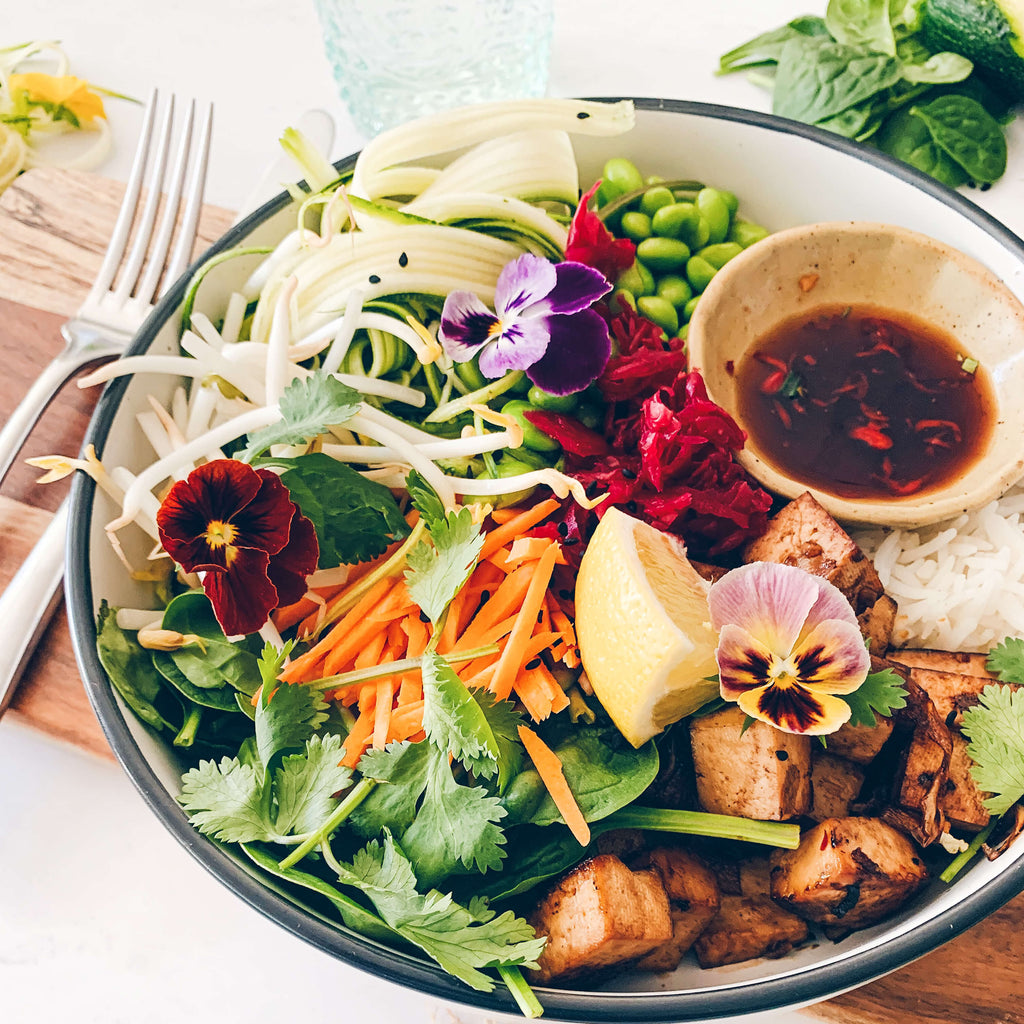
x,y
583,115
569,541
485,595
631,506
986,186
374,279
627,474
563,529
565,595
592,489
540,615
403,260
782,755
531,665
424,617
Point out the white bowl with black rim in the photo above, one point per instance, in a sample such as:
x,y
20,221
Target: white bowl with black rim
x,y
785,174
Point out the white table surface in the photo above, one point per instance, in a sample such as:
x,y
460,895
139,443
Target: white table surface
x,y
103,917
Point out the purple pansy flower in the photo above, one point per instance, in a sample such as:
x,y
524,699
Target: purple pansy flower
x,y
543,325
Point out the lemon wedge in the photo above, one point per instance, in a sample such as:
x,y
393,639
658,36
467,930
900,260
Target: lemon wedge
x,y
643,627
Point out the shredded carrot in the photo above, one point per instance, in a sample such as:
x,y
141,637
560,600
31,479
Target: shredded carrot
x,y
406,721
358,738
372,653
461,608
506,600
514,654
529,549
539,692
545,760
304,667
382,712
504,515
501,535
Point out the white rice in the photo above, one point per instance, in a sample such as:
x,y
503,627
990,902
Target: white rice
x,y
959,584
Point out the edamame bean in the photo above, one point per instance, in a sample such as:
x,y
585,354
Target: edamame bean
x,y
660,310
683,331
545,400
714,210
673,220
689,308
533,437
731,202
697,232
744,233
720,254
699,273
662,254
674,288
508,466
638,280
655,199
635,225
590,415
621,176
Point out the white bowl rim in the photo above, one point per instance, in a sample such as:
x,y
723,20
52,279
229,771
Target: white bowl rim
x,y
750,997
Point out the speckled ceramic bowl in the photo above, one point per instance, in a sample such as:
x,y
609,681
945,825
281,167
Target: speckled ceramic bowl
x,y
858,263
756,156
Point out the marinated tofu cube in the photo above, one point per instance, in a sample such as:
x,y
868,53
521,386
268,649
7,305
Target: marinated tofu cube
x,y
860,743
600,915
836,784
805,535
761,773
693,901
747,927
849,871
961,801
877,623
958,662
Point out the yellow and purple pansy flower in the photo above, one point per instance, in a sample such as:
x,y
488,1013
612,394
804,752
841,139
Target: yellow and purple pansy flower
x,y
788,643
543,325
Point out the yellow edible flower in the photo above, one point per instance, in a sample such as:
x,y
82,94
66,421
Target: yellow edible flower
x,y
67,91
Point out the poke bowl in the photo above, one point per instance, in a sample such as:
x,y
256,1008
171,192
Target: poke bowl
x,y
690,147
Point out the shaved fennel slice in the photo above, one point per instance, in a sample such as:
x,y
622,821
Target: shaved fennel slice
x,y
445,208
452,130
438,259
531,165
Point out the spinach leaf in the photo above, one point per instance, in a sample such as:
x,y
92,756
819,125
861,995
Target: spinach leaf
x,y
907,138
965,130
222,662
355,519
905,16
130,670
858,122
863,23
222,698
603,771
939,69
767,47
818,79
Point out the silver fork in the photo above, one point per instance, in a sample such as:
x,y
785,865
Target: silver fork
x,y
119,301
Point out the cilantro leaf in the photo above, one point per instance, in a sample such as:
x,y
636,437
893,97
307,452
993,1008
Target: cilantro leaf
x,y
226,801
306,786
881,693
436,574
229,800
425,500
286,717
456,826
355,519
453,720
995,730
441,823
504,720
308,408
1007,660
463,941
402,768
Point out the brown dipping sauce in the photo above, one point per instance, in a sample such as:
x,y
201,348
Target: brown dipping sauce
x,y
864,403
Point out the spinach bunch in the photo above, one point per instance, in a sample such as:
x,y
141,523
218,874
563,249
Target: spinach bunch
x,y
864,72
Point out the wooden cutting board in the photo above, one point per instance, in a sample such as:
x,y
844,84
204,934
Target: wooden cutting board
x,y
54,227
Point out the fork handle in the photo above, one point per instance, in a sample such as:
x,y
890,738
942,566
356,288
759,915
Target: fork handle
x,y
29,602
41,393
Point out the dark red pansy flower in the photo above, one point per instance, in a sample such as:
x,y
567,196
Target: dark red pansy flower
x,y
239,526
590,242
